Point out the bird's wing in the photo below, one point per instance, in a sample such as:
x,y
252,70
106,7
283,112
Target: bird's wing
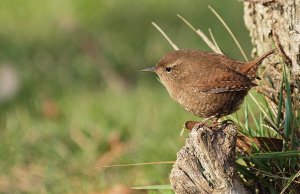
x,y
229,80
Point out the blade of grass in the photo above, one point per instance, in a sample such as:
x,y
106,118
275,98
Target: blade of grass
x,y
244,171
272,107
290,181
269,110
165,35
230,32
152,187
274,127
235,120
288,107
136,164
261,129
260,106
254,118
270,155
201,34
289,118
246,115
214,41
259,162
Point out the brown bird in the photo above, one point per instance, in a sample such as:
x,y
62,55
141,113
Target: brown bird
x,y
209,85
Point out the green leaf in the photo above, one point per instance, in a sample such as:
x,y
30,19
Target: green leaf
x,y
269,110
255,119
280,102
288,107
246,115
270,155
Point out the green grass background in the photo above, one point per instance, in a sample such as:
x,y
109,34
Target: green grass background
x,y
68,117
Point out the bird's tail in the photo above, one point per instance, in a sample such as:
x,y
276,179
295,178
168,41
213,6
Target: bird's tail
x,y
251,67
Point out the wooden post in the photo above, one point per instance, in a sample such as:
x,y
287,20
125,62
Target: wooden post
x,y
206,164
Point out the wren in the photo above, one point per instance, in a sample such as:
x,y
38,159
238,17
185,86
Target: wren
x,y
209,85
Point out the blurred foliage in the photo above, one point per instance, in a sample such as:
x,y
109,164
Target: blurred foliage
x,y
53,42
82,101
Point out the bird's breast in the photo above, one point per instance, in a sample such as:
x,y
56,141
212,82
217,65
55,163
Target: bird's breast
x,y
205,105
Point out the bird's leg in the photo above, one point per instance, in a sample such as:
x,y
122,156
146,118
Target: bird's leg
x,y
215,126
225,122
215,120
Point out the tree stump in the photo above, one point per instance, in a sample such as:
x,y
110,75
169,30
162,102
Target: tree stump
x,y
206,164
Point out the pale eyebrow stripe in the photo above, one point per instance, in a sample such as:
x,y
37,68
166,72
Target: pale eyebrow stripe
x,y
176,62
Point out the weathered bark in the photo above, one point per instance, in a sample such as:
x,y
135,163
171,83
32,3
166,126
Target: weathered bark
x,y
206,164
276,23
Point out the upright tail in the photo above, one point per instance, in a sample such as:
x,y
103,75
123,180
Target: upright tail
x,y
251,67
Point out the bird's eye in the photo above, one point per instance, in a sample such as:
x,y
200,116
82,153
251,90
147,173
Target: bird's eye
x,y
168,69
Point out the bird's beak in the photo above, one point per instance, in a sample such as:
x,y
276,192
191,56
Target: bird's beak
x,y
151,69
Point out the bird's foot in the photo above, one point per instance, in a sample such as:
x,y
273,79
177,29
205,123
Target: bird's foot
x,y
227,121
194,124
214,126
220,126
